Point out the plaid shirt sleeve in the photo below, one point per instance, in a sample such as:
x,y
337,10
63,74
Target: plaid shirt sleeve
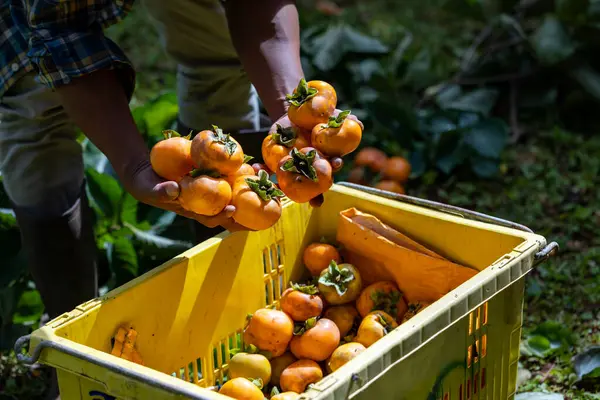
x,y
66,38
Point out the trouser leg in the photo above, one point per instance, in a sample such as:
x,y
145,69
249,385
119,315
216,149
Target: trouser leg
x,y
42,170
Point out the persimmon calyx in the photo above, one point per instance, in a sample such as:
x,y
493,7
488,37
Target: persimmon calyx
x,y
208,172
302,94
263,187
284,136
336,122
225,140
387,302
247,158
170,133
301,327
302,164
306,289
257,382
337,277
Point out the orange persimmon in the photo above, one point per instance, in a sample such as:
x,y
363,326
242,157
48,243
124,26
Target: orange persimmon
x,y
384,296
318,256
256,201
171,158
304,174
242,389
269,330
299,375
204,194
338,137
390,186
397,169
316,340
214,150
372,158
244,170
345,317
311,103
301,302
279,143
374,326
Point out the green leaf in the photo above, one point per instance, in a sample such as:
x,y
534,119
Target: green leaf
x,y
306,289
225,140
539,345
337,41
337,277
485,167
302,164
105,192
153,239
285,136
487,138
551,42
336,122
129,206
263,187
247,158
302,94
480,101
587,364
122,259
160,112
29,308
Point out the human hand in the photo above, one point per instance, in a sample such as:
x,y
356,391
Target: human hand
x,y
146,186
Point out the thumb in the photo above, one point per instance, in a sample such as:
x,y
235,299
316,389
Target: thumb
x,y
166,191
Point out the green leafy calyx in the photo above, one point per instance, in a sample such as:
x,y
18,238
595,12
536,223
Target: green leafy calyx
x,y
336,122
301,327
387,302
247,158
225,140
263,187
302,164
170,133
302,94
285,136
339,278
306,289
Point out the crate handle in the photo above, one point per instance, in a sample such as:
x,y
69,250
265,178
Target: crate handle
x,y
434,205
130,373
548,251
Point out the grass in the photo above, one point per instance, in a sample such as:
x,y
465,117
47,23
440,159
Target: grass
x,y
549,182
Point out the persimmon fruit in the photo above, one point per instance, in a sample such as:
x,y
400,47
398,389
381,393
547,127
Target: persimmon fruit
x,y
304,174
311,103
338,137
269,330
204,195
256,201
215,150
171,158
318,256
397,169
279,143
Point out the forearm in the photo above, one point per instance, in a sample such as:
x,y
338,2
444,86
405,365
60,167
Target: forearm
x,y
97,103
267,39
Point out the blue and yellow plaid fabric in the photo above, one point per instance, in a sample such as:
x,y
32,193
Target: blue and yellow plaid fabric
x,y
61,39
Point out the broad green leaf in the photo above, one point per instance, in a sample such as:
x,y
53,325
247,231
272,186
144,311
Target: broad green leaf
x,y
128,208
151,238
105,192
487,138
588,78
164,221
587,364
122,259
485,167
29,308
337,41
539,345
478,101
159,113
551,42
364,70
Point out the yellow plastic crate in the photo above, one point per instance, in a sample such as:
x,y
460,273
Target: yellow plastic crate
x,y
189,311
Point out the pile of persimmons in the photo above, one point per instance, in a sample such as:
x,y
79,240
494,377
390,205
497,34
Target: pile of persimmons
x,y
213,171
317,327
372,167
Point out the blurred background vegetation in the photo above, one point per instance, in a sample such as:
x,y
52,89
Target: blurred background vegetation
x,y
494,102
